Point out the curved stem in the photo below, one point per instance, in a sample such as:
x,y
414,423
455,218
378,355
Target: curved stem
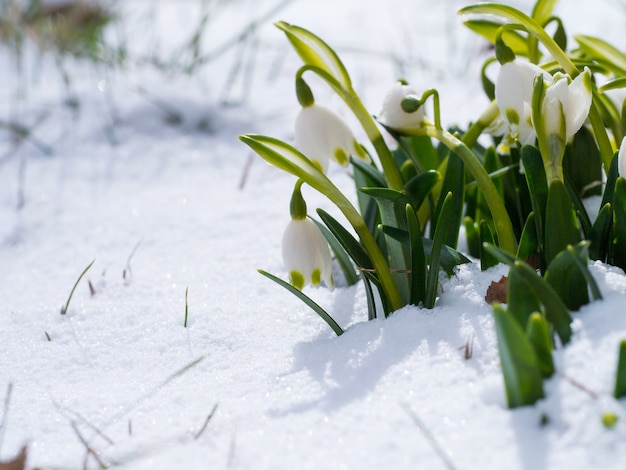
x,y
476,129
501,219
352,100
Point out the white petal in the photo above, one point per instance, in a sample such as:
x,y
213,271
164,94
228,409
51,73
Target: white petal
x,y
321,135
553,109
578,102
305,250
393,116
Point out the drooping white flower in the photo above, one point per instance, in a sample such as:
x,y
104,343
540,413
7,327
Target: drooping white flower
x,y
306,254
321,135
568,100
398,117
514,95
621,159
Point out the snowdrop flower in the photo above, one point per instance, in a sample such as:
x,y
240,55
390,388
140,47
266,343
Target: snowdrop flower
x,y
321,135
306,254
621,159
402,109
567,102
514,95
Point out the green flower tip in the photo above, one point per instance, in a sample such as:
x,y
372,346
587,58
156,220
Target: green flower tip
x,y
296,279
297,205
304,93
512,116
410,104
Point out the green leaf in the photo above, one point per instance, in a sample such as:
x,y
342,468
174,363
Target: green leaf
x,y
472,235
307,300
609,189
369,171
487,260
445,218
538,334
554,309
454,182
620,377
561,226
582,164
566,278
371,300
538,188
521,298
618,249
315,52
347,241
419,187
542,11
341,255
488,29
520,368
600,234
529,242
419,268
599,49
391,205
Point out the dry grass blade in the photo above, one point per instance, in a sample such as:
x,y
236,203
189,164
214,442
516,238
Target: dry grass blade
x,y
88,448
67,304
206,422
71,415
5,412
429,437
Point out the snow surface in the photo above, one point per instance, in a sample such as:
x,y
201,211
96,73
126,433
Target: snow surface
x,y
162,208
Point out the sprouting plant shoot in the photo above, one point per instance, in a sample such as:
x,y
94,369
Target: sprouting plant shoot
x,y
186,306
65,308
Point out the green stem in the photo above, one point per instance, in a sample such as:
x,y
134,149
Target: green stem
x,y
476,129
501,220
604,143
369,244
352,100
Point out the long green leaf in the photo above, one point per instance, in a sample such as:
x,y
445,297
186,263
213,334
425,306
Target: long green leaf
x,y
620,376
618,251
313,51
520,369
542,11
598,48
341,255
347,241
488,30
445,217
419,268
561,226
307,300
538,334
600,233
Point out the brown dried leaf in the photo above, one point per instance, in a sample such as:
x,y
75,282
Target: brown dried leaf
x,y
497,291
19,463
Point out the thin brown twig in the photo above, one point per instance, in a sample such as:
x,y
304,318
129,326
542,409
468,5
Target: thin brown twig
x,y
71,415
88,448
580,386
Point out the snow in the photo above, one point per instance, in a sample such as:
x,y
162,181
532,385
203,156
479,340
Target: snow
x,y
161,208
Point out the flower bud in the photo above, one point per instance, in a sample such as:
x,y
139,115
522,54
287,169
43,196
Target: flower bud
x,y
402,109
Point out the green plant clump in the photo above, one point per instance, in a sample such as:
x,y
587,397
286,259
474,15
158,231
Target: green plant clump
x,y
556,139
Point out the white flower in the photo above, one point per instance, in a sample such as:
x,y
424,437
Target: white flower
x,y
394,115
568,100
514,95
621,159
321,135
306,254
